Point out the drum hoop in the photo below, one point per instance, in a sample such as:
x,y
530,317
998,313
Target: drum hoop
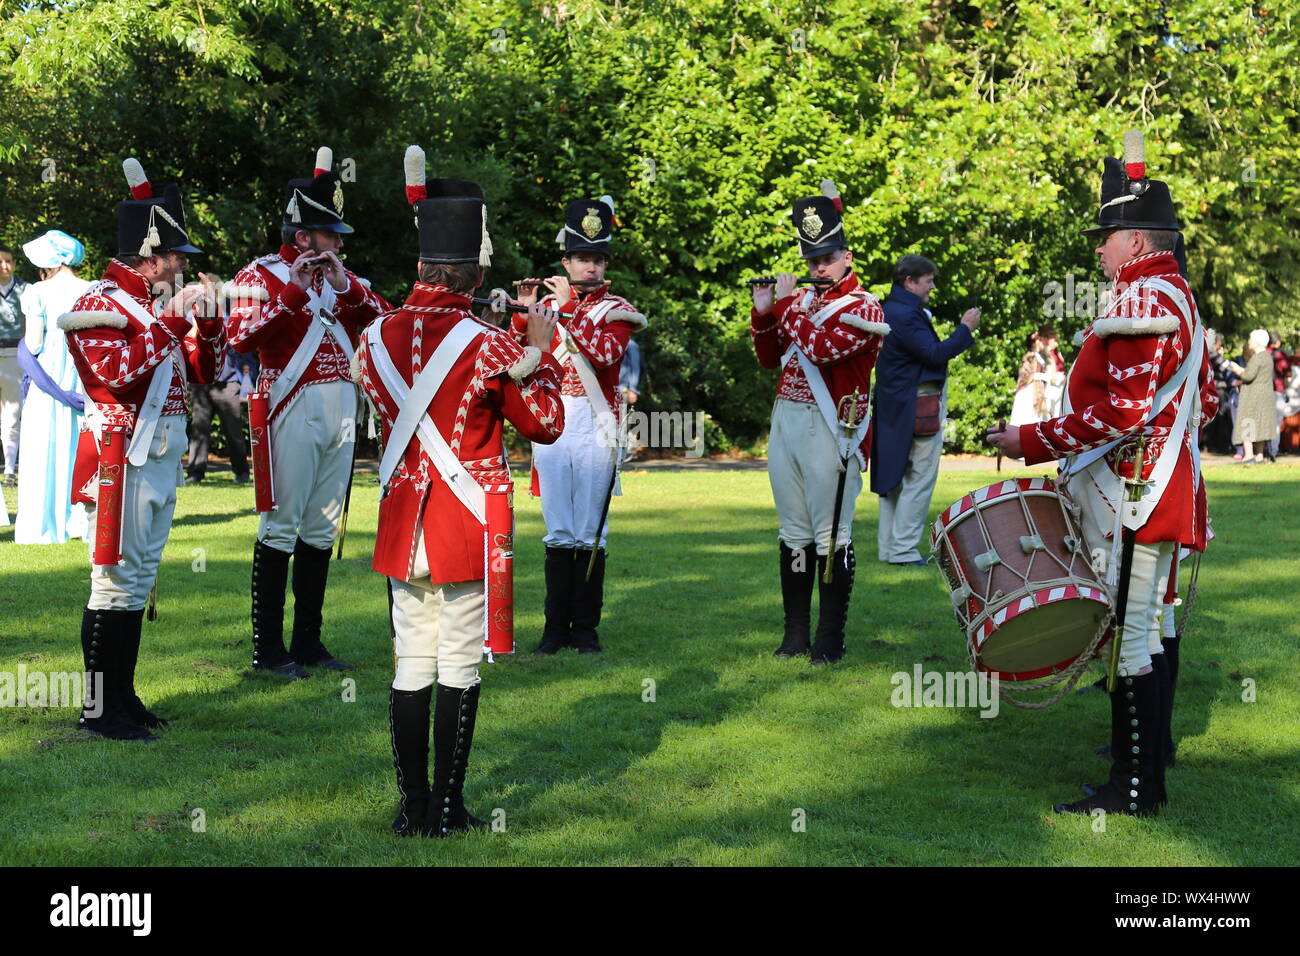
x,y
1040,487
1070,589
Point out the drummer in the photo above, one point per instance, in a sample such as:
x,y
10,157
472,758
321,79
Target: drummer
x,y
1116,395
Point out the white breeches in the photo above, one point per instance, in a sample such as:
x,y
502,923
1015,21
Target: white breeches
x,y
803,467
311,448
1146,616
148,502
439,632
574,477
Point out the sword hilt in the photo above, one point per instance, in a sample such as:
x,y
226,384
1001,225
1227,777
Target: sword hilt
x,y
850,416
1135,486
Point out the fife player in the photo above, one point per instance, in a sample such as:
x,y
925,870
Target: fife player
x,y
134,355
301,311
573,475
445,383
825,342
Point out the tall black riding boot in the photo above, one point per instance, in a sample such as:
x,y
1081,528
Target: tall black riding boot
x,y
455,710
133,624
561,578
588,599
270,575
1136,786
798,569
833,606
102,639
311,569
1160,666
1171,645
1119,718
408,723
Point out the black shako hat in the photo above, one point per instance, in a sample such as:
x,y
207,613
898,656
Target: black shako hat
x,y
316,203
450,215
819,222
149,225
588,226
1129,200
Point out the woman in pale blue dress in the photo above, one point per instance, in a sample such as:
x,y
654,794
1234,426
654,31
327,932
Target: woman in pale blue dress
x,y
48,442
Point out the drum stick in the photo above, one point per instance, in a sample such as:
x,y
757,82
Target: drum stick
x,y
1002,426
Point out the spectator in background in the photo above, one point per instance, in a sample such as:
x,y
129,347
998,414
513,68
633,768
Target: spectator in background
x,y
1256,422
1281,374
629,384
909,407
1040,385
1217,435
221,397
52,412
12,326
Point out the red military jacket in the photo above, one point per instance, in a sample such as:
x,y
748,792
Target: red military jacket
x,y
1125,357
115,353
843,345
271,317
603,340
494,381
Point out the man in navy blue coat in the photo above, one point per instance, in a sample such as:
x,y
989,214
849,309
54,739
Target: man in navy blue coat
x,y
912,364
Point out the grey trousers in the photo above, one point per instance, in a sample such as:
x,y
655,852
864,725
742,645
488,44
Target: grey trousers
x,y
904,510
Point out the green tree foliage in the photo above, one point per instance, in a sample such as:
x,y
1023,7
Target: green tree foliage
x,y
971,134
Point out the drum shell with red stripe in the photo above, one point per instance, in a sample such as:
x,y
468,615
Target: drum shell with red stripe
x,y
1023,589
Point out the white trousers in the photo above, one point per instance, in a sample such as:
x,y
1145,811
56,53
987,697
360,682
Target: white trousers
x,y
803,467
574,475
903,512
439,632
1146,616
11,398
148,503
311,447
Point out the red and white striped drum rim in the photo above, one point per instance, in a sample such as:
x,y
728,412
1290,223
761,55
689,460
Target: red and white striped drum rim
x,y
979,496
1029,602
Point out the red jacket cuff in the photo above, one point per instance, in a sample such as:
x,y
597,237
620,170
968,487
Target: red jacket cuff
x,y
1033,448
549,361
292,297
354,294
210,329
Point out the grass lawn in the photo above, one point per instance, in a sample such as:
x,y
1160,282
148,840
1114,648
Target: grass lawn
x,y
713,771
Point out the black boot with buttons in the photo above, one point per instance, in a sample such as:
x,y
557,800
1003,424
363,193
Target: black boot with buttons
x,y
1136,786
103,640
455,710
270,576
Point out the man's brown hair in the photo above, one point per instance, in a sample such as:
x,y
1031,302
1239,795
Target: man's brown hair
x,y
913,267
456,276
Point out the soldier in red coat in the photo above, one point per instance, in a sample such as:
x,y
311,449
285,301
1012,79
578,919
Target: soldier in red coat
x,y
825,342
1142,375
301,311
134,351
573,475
445,383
